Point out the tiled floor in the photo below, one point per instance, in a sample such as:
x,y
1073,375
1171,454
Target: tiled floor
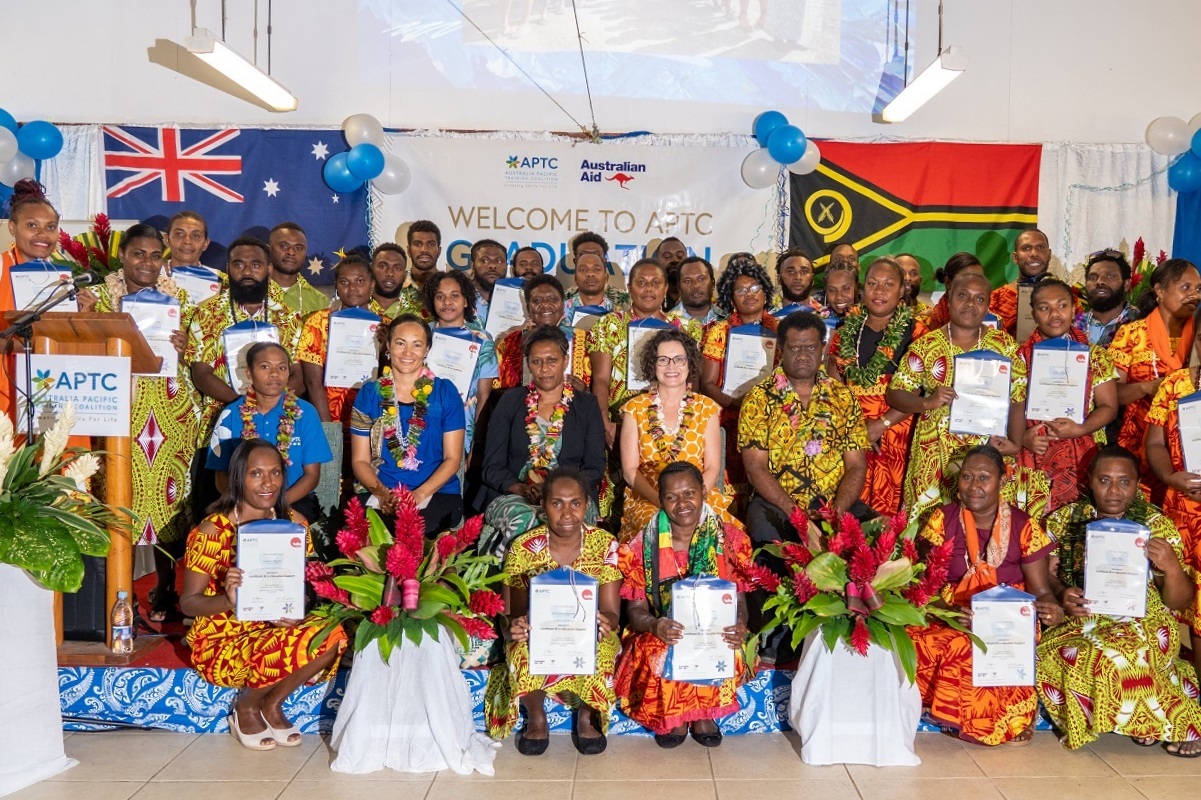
x,y
167,766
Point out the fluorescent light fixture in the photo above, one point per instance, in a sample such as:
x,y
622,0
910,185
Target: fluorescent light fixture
x,y
218,55
949,65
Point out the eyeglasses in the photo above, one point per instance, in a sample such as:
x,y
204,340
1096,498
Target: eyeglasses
x,y
1108,254
754,288
671,361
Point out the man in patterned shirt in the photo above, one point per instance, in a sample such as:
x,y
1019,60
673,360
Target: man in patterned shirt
x,y
1106,284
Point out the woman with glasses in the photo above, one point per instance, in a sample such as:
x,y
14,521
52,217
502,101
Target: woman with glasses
x,y
671,422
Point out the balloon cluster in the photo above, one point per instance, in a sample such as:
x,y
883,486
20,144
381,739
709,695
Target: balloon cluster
x,y
365,160
779,143
21,146
1172,136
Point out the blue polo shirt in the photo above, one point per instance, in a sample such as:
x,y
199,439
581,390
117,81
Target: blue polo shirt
x,y
308,439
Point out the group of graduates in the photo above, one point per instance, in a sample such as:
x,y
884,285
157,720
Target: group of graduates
x,y
640,469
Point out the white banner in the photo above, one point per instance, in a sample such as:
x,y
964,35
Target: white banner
x,y
98,386
543,193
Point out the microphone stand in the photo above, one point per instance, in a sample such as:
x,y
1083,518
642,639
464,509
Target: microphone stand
x,y
22,326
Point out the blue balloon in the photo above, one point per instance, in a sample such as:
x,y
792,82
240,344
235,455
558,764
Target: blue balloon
x,y
1197,143
765,123
338,176
1185,175
7,120
365,161
787,144
39,139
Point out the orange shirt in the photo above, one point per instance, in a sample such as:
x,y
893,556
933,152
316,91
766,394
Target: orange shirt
x,y
8,302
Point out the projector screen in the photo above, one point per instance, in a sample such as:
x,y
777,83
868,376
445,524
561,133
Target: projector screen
x,y
832,55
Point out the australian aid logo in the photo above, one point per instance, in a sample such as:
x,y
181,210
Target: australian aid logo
x,y
620,173
98,387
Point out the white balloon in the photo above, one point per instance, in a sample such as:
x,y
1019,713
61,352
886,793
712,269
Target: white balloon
x,y
1194,125
807,162
8,144
363,129
759,169
18,167
1168,136
395,178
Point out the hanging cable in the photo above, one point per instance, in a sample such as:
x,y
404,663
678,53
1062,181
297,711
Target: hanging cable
x,y
268,37
256,33
584,64
223,20
906,75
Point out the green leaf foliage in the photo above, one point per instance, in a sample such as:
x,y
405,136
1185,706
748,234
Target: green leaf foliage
x,y
828,572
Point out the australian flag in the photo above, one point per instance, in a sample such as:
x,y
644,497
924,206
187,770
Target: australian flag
x,y
241,180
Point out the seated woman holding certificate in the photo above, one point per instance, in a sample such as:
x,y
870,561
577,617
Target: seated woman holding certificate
x,y
544,299
406,429
536,428
1098,673
566,540
924,385
266,660
994,543
745,293
684,539
670,423
1053,442
269,410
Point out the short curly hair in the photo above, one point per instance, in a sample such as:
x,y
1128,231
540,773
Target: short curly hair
x,y
743,264
544,333
650,353
466,287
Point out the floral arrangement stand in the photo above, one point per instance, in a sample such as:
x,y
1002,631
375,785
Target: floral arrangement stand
x,y
407,705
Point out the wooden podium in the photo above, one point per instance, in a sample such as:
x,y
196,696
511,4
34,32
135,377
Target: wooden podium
x,y
93,334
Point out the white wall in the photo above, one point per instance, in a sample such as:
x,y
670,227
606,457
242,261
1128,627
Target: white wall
x,y
1039,70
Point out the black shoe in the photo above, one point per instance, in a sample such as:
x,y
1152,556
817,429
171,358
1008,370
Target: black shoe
x,y
589,747
531,747
706,739
670,740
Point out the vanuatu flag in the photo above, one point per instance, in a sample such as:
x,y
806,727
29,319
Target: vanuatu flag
x,y
931,199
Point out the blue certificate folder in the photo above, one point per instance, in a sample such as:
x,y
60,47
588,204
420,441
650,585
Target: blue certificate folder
x,y
982,379
271,554
1116,569
1003,618
702,656
562,617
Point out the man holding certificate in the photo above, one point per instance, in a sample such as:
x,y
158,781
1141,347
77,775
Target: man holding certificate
x,y
487,267
684,539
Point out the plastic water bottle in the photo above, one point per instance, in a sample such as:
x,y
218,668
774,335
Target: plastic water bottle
x,y
122,623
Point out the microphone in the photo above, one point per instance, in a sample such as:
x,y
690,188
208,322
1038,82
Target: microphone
x,y
83,279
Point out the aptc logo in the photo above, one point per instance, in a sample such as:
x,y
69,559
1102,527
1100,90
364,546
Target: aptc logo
x,y
533,162
622,173
44,381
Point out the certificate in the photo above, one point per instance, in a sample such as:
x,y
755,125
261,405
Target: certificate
x,y
991,321
271,556
1003,618
157,317
34,281
1116,569
351,354
507,308
200,283
562,615
1025,323
791,308
750,357
1189,414
981,384
704,606
452,357
637,333
236,340
584,317
1058,384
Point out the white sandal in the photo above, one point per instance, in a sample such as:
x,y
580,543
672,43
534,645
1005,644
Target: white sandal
x,y
263,740
283,736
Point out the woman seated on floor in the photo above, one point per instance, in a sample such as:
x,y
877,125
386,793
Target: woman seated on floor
x,y
994,543
266,660
565,540
535,428
1100,674
684,538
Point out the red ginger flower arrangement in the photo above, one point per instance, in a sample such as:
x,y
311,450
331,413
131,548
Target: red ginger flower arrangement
x,y
860,584
95,250
395,584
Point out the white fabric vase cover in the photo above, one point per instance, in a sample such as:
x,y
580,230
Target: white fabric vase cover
x,y
411,713
31,722
853,709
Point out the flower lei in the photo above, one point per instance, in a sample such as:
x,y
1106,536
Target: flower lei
x,y
287,422
405,454
542,446
848,346
821,420
671,445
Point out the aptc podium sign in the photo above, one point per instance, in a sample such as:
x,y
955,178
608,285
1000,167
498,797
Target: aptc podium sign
x,y
99,387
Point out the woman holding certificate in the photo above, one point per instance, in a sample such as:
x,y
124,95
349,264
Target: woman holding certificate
x,y
406,429
535,428
1149,349
924,384
1071,394
1098,673
686,538
994,543
266,660
865,353
744,293
542,292
566,540
670,423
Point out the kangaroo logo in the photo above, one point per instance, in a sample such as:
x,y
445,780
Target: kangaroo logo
x,y
621,178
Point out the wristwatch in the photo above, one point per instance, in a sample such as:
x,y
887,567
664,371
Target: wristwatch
x,y
887,422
